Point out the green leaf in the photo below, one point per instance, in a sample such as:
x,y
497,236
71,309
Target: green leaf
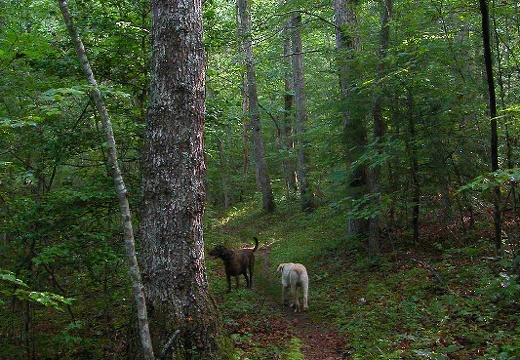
x,y
491,180
8,276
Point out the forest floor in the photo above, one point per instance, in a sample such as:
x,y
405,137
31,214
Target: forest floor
x,y
270,330
319,339
450,297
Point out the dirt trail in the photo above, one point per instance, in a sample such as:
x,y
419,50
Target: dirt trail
x,y
319,339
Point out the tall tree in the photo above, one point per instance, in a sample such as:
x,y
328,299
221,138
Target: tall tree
x,y
486,37
126,217
262,174
287,128
354,131
411,147
346,43
300,113
379,125
182,316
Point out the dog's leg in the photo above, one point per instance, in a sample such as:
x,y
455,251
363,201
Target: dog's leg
x,y
305,297
248,280
237,280
283,295
295,293
228,277
251,270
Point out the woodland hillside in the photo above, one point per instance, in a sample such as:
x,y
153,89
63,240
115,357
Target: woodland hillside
x,y
377,142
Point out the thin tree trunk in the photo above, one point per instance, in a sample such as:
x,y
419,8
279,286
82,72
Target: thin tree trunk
x,y
493,116
287,130
300,114
346,42
135,274
414,165
28,332
227,193
379,126
245,129
183,318
244,26
354,131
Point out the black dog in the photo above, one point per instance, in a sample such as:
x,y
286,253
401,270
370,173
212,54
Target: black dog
x,y
236,262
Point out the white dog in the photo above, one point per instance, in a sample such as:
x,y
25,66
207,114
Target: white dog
x,y
295,276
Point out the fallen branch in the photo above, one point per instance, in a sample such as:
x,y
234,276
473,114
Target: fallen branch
x,y
433,273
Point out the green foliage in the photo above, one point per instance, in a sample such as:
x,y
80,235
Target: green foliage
x,y
19,289
489,181
419,317
60,228
294,353
11,278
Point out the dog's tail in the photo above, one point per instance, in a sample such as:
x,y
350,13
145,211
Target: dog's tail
x,y
256,243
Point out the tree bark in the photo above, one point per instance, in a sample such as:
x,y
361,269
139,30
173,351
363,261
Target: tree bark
x,y
262,174
354,131
346,43
227,192
287,128
300,114
183,319
414,168
486,38
135,275
379,127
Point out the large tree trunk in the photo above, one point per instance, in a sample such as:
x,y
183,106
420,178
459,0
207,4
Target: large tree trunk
x,y
379,127
183,318
135,274
493,115
300,114
355,133
244,27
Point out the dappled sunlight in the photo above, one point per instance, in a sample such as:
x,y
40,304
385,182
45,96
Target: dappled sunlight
x,y
232,214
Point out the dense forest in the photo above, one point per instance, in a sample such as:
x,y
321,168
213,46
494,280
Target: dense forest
x,y
377,142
